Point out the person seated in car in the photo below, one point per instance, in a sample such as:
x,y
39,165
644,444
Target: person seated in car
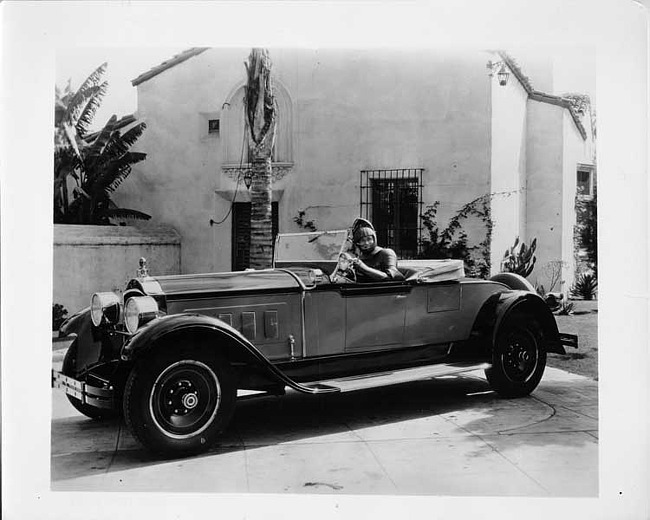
x,y
375,263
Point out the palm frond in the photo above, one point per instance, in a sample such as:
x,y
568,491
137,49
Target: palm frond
x,y
68,137
93,80
126,213
114,173
95,149
82,99
66,161
125,163
133,134
113,149
95,76
119,144
88,113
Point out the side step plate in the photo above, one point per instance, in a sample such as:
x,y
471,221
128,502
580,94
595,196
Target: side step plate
x,y
393,377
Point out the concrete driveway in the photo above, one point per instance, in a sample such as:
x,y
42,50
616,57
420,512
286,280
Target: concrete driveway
x,y
448,436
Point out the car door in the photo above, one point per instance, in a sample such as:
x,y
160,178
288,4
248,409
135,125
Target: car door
x,y
374,315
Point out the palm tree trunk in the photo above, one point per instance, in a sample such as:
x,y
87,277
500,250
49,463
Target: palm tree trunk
x,y
261,251
260,113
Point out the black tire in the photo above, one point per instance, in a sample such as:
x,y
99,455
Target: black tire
x,y
518,357
178,402
69,368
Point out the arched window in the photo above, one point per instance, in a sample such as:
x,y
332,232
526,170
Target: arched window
x,y
235,143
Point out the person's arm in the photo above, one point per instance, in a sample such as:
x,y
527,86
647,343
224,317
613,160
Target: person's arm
x,y
387,268
370,272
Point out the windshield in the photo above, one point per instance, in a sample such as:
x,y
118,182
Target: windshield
x,y
301,248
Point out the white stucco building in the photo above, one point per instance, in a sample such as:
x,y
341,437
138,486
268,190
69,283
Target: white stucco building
x,y
374,133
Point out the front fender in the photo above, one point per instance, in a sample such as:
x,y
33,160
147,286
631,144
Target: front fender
x,y
534,305
73,324
93,346
153,334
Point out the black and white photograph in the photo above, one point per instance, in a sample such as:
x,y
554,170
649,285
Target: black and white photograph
x,y
370,246
295,271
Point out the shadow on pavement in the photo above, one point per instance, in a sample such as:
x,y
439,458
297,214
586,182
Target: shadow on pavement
x,y
444,407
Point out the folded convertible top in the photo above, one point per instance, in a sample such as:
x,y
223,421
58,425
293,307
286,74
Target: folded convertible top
x,y
432,270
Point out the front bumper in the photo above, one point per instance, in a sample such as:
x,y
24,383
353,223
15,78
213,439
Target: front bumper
x,y
95,396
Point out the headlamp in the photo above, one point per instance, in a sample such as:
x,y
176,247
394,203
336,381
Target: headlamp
x,y
138,311
104,308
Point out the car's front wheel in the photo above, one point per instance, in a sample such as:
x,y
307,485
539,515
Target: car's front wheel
x,y
518,357
179,402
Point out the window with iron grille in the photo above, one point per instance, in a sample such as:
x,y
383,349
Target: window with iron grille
x,y
392,201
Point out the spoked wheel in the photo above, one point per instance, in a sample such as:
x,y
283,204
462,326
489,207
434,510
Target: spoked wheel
x,y
179,403
518,358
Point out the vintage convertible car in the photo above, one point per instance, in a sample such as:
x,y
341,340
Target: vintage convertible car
x,y
172,352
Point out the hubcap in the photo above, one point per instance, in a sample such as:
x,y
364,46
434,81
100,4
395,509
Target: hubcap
x,y
185,399
520,356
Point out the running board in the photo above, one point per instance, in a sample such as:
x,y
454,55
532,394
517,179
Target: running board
x,y
393,377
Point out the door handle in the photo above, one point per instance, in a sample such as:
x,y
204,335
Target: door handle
x,y
401,296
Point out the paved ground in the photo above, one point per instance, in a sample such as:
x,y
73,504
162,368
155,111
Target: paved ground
x,y
449,436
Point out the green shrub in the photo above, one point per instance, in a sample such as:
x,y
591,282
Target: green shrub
x,y
520,259
452,241
59,314
88,168
585,287
566,308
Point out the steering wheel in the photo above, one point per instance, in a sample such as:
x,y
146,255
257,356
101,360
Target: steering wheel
x,y
344,272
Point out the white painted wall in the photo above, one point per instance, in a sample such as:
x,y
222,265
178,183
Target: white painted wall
x,y
555,148
576,151
545,185
352,110
508,166
89,259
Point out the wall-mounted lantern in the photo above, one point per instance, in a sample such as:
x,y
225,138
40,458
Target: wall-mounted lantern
x,y
502,74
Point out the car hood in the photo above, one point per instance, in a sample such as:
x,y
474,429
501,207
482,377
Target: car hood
x,y
240,281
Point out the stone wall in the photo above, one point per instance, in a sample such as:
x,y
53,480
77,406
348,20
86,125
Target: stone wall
x,y
89,259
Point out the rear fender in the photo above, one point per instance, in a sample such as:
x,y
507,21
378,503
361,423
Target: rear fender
x,y
156,333
534,305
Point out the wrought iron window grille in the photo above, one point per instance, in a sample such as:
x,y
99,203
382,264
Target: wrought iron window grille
x,y
392,200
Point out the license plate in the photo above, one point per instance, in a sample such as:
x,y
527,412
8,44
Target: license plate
x,y
71,386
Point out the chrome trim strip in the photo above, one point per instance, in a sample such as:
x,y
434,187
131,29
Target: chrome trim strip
x,y
303,330
87,394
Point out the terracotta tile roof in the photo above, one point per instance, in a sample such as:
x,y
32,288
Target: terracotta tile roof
x,y
542,96
167,64
561,102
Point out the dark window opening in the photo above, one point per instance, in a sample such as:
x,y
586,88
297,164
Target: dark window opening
x,y
584,182
241,233
392,201
213,126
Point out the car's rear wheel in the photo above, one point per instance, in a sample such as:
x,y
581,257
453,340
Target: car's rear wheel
x,y
179,402
518,357
69,369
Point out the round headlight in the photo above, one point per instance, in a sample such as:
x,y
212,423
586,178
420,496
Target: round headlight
x,y
104,308
139,310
